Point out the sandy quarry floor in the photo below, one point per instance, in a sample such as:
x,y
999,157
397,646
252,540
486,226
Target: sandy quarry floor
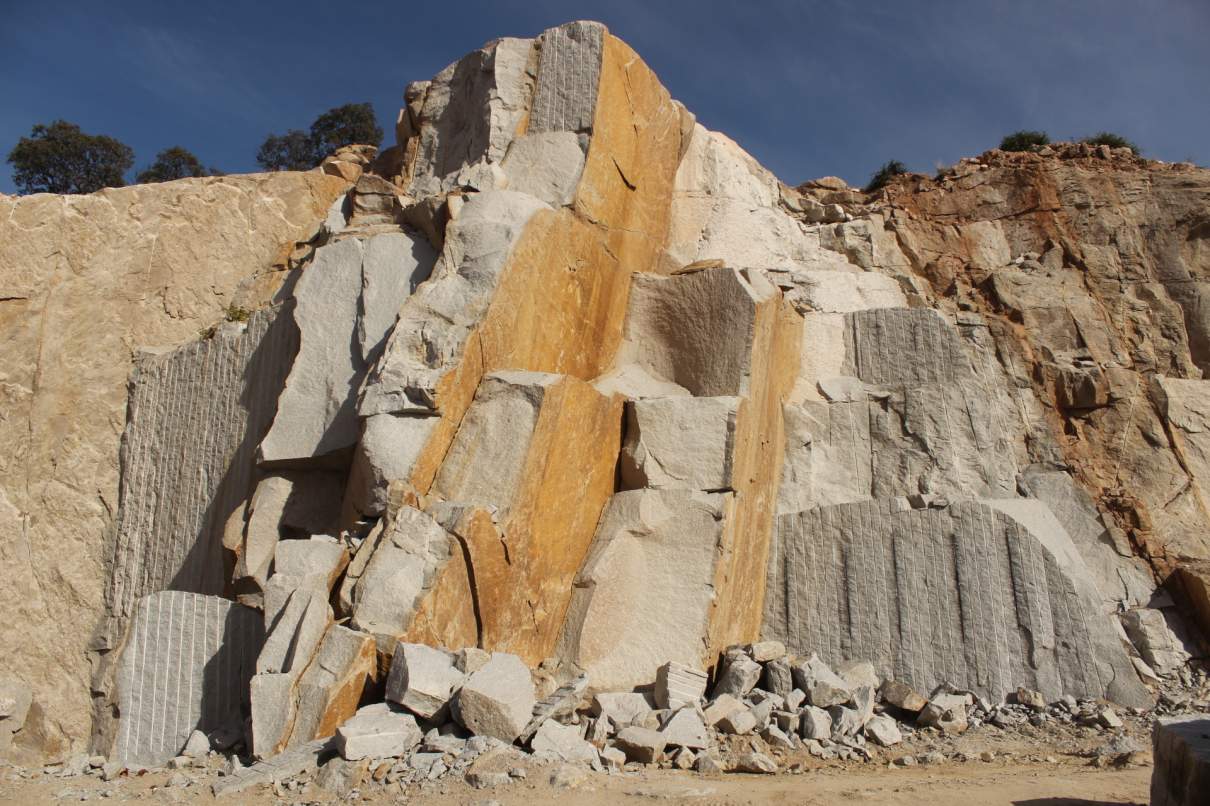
x,y
1038,768
985,784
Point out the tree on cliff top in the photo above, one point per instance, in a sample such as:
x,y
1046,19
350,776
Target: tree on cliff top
x,y
173,163
297,150
60,158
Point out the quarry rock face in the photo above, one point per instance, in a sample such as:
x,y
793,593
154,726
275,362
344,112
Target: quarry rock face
x,y
563,380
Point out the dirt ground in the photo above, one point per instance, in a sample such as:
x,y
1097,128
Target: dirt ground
x,y
952,784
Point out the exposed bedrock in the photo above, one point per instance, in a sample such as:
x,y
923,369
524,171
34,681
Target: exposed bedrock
x,y
567,377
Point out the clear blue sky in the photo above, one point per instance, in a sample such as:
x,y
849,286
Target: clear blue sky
x,y
810,88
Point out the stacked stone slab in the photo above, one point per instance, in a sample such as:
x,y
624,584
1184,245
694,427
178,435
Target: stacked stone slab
x,y
186,667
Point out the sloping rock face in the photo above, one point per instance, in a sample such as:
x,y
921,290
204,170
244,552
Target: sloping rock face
x,y
85,281
568,376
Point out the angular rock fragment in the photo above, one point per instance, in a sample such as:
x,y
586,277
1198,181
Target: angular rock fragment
x,y
740,675
722,707
1157,643
376,731
497,700
641,745
332,686
562,741
422,679
754,762
546,165
738,723
815,723
685,728
201,648
563,701
903,696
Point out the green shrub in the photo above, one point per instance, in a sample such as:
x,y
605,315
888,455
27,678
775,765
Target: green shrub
x,y
237,314
1024,140
1112,140
885,174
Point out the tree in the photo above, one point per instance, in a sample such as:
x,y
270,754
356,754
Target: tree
x,y
345,126
1112,140
291,151
60,158
1024,140
297,150
885,174
172,163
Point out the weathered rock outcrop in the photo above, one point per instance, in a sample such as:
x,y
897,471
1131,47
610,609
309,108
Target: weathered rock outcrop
x,y
85,281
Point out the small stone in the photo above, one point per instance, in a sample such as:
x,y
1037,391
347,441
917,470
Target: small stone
x,y
987,755
1031,699
707,765
795,699
754,763
775,738
179,780
487,780
845,721
641,745
563,742
684,759
935,757
906,761
567,776
765,651
1108,719
111,770
902,696
613,757
471,660
376,731
826,695
197,746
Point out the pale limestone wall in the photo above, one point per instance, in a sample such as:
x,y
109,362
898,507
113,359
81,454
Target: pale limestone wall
x,y
85,281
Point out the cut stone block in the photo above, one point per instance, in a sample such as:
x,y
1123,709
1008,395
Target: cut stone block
x,y
376,731
677,685
1181,747
319,561
422,679
332,686
1156,642
497,700
684,443
1003,575
644,595
199,649
274,708
738,723
722,707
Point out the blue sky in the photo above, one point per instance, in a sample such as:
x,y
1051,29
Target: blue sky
x,y
809,87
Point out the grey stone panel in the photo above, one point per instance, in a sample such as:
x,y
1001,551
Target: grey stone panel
x,y
195,417
903,346
569,72
963,594
185,667
1181,747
